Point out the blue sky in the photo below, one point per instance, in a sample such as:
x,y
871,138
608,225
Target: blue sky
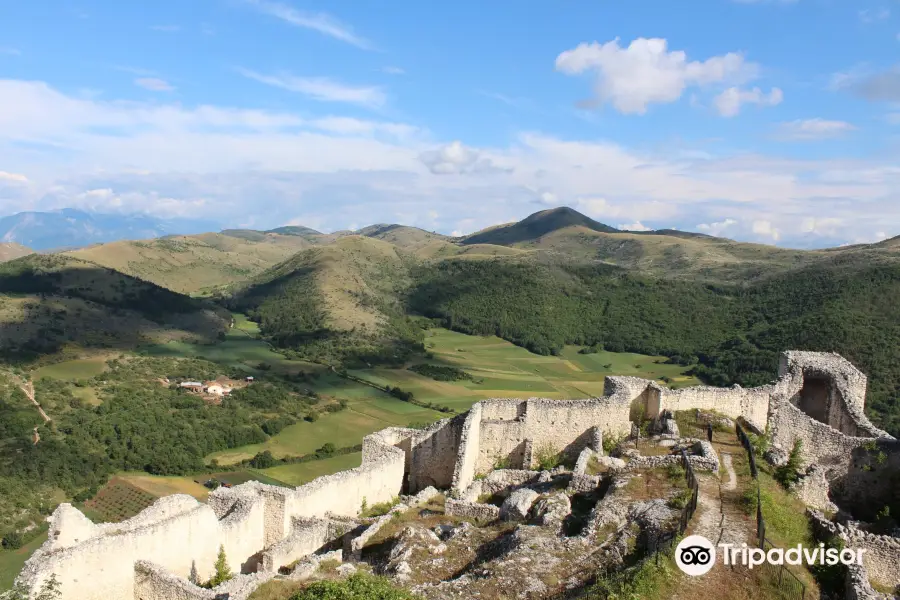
x,y
766,120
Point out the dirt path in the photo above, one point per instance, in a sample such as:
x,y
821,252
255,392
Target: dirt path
x,y
28,388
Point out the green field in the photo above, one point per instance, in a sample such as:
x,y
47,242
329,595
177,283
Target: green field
x,y
72,370
11,561
301,473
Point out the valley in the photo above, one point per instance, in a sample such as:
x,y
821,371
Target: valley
x,y
346,334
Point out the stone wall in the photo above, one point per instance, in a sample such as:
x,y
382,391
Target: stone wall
x,y
306,537
751,404
469,449
472,510
153,582
96,561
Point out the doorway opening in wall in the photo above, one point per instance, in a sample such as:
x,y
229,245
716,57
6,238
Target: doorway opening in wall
x,y
814,397
644,408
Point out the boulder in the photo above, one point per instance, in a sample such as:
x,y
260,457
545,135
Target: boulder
x,y
518,505
552,510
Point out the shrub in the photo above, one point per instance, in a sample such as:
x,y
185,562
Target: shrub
x,y
223,572
263,460
547,458
358,586
13,540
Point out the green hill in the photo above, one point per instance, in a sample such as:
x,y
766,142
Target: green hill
x,y
50,301
335,303
192,263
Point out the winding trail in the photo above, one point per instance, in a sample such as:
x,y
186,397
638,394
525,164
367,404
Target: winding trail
x,y
28,388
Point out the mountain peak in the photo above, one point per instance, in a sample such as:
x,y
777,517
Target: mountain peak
x,y
537,225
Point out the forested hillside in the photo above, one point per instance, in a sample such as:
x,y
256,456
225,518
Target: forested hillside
x,y
734,334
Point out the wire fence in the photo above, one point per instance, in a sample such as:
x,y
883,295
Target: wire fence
x,y
783,579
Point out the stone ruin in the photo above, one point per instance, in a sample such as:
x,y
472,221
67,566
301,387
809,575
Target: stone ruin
x,y
490,450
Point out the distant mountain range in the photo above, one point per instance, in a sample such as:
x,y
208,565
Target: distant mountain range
x,y
72,228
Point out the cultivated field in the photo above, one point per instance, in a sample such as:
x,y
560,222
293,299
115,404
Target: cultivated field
x,y
116,501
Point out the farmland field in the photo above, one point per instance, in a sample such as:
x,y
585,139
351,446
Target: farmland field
x,y
116,501
301,473
11,561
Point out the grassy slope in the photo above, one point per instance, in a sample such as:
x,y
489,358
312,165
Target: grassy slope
x,y
12,251
191,263
50,302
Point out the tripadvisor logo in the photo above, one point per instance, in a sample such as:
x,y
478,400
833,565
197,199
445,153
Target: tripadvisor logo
x,y
696,555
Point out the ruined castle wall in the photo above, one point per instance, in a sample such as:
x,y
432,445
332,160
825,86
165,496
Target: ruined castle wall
x,y
153,582
469,449
872,480
101,568
734,402
244,531
567,425
432,454
378,479
500,442
306,536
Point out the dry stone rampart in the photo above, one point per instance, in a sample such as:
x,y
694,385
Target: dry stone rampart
x,y
154,582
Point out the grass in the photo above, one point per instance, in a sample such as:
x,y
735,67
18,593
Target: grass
x,y
72,370
11,561
301,473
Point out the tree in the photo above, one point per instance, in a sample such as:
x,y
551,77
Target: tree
x,y
194,577
223,572
49,591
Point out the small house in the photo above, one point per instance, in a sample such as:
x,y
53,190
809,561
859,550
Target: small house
x,y
249,378
191,386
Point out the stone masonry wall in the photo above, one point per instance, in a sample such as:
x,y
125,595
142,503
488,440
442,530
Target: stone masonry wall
x,y
96,562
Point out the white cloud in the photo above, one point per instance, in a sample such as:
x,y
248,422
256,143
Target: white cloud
x,y
14,177
176,159
646,72
822,226
636,226
393,70
351,126
456,159
730,101
154,84
766,229
718,228
321,88
166,28
872,15
321,22
813,129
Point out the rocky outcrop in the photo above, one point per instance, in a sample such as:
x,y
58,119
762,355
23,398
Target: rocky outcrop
x,y
517,506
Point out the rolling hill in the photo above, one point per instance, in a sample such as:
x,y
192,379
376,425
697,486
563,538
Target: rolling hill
x,y
334,302
49,302
12,250
534,226
190,264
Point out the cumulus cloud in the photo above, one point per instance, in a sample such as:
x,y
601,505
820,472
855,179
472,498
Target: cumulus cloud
x,y
321,88
154,84
646,72
320,22
730,101
813,129
766,229
636,226
456,159
717,228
